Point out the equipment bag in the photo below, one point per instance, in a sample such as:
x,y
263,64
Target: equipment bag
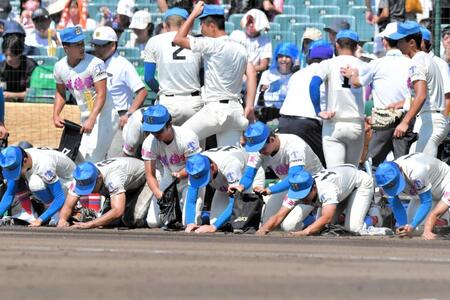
x,y
385,118
70,139
247,211
169,208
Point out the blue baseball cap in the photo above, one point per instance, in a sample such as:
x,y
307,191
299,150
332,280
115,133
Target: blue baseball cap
x,y
11,161
320,49
286,49
155,118
256,136
85,175
389,177
71,34
212,10
404,29
300,184
347,34
426,34
176,11
199,170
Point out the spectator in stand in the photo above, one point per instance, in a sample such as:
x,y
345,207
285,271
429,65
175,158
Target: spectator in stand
x,y
310,35
186,4
39,37
142,26
259,47
16,69
75,13
27,8
334,28
445,51
270,7
389,11
5,11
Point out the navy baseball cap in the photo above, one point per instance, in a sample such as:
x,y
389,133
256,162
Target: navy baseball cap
x,y
256,136
389,177
11,159
348,34
212,10
404,29
176,11
199,170
426,34
12,27
320,49
71,35
300,184
85,175
155,118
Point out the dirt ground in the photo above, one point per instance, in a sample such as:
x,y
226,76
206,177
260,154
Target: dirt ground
x,y
151,264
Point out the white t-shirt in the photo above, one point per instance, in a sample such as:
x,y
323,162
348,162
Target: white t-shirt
x,y
277,87
225,63
258,48
120,175
389,75
343,99
298,100
132,134
80,80
423,172
230,162
424,68
445,71
178,68
173,156
33,39
293,152
50,166
333,185
123,81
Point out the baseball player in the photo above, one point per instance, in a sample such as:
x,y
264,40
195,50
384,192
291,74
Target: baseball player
x,y
222,169
415,174
333,190
85,77
428,105
171,146
178,69
343,125
124,85
284,154
133,136
48,174
225,63
121,179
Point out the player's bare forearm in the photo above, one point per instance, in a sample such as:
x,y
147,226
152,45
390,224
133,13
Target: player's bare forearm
x,y
150,176
14,95
432,217
318,225
447,106
117,210
66,210
263,64
251,92
162,4
181,38
420,89
138,100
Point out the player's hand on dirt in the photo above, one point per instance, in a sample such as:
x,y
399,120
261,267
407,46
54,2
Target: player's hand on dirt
x,y
191,227
81,225
404,231
58,121
327,115
198,8
262,231
3,132
206,229
428,235
400,130
36,223
62,224
88,125
300,233
233,189
259,190
123,120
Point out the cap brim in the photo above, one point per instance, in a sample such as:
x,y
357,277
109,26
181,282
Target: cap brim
x,y
396,188
396,36
137,26
100,42
152,127
75,39
200,182
85,189
299,194
254,147
12,174
206,15
328,29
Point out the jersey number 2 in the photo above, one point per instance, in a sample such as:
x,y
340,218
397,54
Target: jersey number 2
x,y
177,51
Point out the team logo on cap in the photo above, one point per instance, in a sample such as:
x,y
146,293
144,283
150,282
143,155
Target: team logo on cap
x,y
295,186
251,140
97,34
77,30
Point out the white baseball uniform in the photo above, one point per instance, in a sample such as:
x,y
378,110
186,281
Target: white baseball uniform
x,y
343,135
80,80
258,48
342,184
225,63
173,157
431,124
424,173
133,136
178,76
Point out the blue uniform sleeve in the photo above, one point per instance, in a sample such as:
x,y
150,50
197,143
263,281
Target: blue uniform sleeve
x,y
248,177
57,203
426,200
314,92
149,76
398,210
191,199
283,185
225,215
2,106
8,196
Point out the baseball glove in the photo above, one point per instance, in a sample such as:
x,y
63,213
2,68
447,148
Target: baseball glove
x,y
385,118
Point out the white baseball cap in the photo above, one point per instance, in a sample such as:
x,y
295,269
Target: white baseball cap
x,y
390,29
126,7
140,20
103,35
